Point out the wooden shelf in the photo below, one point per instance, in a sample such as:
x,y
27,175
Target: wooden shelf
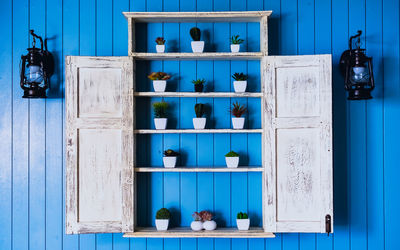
x,y
192,17
186,232
197,56
200,169
197,131
197,94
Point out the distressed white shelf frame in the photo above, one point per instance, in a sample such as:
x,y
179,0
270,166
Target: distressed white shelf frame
x,y
200,169
197,131
198,94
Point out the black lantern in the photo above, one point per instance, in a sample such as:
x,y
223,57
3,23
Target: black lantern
x,y
356,68
36,69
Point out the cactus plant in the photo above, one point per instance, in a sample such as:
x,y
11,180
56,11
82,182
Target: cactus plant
x,y
170,152
158,76
160,109
199,109
241,216
195,33
238,110
163,214
160,41
239,77
236,40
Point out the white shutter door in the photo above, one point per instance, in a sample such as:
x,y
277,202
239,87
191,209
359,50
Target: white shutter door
x,y
100,144
297,143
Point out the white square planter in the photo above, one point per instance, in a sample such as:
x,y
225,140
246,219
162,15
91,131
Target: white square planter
x,y
162,225
239,86
159,85
199,123
197,46
235,48
160,48
169,161
232,162
238,122
243,224
160,123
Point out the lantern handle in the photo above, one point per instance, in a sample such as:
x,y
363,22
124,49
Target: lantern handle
x,y
38,37
359,32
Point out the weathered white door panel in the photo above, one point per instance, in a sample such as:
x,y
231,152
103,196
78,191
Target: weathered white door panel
x,y
100,144
297,143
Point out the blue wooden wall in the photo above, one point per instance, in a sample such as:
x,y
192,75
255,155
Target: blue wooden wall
x,y
365,133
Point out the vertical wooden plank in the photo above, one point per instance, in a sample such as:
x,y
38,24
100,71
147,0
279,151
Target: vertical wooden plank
x,y
6,94
288,27
391,119
20,144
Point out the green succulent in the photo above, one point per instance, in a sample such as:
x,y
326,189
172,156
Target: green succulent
x,y
241,216
163,214
195,33
232,154
199,108
236,40
160,109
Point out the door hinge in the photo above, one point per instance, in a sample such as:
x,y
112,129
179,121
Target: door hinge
x,y
328,224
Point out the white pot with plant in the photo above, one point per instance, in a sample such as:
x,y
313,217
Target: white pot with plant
x,y
160,47
198,85
232,159
240,82
160,115
242,221
235,43
237,111
170,157
197,223
162,219
197,45
199,122
208,223
159,80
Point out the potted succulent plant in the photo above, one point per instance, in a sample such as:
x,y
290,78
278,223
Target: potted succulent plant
x,y
240,82
169,158
160,114
242,221
197,45
160,47
162,219
237,111
208,222
159,80
235,43
198,85
197,223
232,159
199,122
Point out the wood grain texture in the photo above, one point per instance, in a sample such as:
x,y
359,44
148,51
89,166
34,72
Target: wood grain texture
x,y
198,56
215,169
196,131
197,94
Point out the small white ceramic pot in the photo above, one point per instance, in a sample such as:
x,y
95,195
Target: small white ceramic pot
x,y
169,161
232,162
238,122
243,224
235,48
160,48
209,225
159,85
199,123
162,225
160,123
197,46
196,225
239,86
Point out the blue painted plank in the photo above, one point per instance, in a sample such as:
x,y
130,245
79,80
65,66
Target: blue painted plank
x,y
104,27
306,25
274,26
87,28
288,27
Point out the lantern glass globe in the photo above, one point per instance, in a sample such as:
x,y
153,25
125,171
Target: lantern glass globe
x,y
34,73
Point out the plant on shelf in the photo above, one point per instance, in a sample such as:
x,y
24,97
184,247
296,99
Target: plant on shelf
x,y
203,220
237,111
197,45
160,114
170,157
162,219
232,159
198,85
160,47
235,43
159,80
199,122
197,223
242,221
240,82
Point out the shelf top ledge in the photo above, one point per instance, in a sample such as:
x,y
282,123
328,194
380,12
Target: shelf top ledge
x,y
188,17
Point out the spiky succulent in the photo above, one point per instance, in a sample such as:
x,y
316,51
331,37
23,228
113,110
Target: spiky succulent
x,y
241,216
195,33
236,40
199,108
160,41
160,109
163,214
199,81
158,76
239,77
238,109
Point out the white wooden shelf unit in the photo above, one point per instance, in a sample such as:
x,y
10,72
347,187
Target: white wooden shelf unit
x,y
296,134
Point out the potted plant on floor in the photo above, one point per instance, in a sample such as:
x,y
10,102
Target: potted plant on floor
x,y
237,111
232,159
159,80
160,114
235,43
160,47
197,45
242,221
208,222
197,223
198,85
199,122
240,82
162,219
170,157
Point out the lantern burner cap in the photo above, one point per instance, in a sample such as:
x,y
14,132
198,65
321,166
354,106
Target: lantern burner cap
x,y
34,93
359,94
